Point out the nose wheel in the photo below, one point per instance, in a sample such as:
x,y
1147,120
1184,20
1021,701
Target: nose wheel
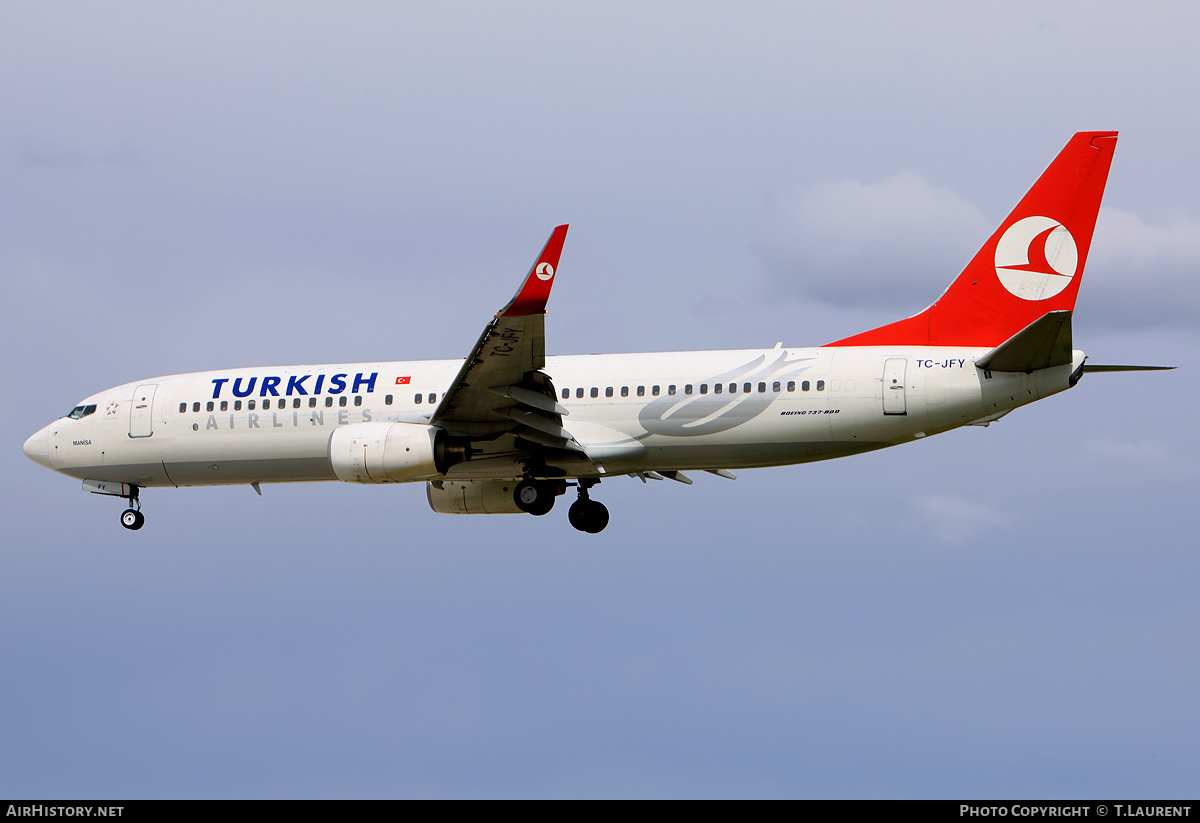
x,y
588,515
132,519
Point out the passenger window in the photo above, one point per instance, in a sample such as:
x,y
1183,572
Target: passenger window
x,y
418,398
328,402
791,385
805,386
579,392
312,401
566,393
762,387
250,405
687,389
237,405
717,389
624,391
358,399
595,392
210,406
342,400
296,403
642,391
820,385
671,390
704,388
608,392
195,408
654,391
775,386
224,405
747,388
432,397
182,408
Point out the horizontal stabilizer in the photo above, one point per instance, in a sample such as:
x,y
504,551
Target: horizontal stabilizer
x,y
1087,367
1044,343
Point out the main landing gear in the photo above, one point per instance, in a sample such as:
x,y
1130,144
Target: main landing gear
x,y
537,497
585,514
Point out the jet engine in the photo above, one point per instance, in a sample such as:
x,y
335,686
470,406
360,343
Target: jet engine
x,y
472,496
384,452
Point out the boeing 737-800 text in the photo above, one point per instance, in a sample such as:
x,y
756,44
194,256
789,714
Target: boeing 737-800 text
x,y
510,429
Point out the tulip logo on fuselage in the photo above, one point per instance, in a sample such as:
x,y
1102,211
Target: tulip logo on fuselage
x,y
1036,258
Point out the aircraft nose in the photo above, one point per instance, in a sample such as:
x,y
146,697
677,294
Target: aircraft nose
x,y
37,448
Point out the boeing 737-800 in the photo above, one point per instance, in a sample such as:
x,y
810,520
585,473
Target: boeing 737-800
x,y
510,429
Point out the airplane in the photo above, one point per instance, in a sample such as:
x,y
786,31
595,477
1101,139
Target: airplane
x,y
510,429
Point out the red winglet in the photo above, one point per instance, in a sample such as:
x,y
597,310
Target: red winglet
x,y
1032,265
535,291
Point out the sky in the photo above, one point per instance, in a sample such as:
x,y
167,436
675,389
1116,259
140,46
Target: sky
x,y
999,612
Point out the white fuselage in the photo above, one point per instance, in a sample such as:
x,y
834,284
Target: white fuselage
x,y
631,412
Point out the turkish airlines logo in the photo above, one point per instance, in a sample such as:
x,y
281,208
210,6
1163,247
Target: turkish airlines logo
x,y
544,271
1036,258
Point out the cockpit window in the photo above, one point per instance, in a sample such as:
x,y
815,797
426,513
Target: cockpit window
x,y
82,411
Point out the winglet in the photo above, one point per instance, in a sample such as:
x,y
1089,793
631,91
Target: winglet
x,y
535,291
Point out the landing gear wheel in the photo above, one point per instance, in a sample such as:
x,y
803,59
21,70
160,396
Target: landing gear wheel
x,y
132,519
588,515
534,497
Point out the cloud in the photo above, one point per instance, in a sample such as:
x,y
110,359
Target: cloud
x,y
895,242
955,519
898,242
1144,450
44,154
1141,273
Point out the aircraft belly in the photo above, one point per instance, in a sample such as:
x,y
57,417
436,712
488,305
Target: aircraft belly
x,y
221,457
257,470
748,455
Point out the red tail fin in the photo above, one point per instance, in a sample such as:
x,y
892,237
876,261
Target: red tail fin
x,y
1031,265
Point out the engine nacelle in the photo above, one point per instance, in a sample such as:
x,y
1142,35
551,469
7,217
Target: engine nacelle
x,y
384,452
472,496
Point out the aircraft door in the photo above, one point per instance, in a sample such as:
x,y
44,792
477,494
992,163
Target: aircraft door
x,y
141,411
894,401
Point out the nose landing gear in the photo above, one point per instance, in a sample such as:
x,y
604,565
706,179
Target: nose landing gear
x,y
132,518
585,514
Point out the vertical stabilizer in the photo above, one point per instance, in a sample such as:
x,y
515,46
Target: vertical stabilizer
x,y
1032,265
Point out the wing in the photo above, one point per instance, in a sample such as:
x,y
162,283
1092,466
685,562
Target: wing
x,y
501,393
